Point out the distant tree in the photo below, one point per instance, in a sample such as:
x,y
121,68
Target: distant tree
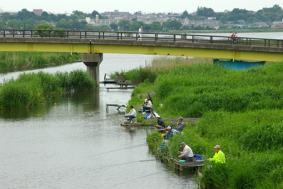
x,y
205,12
154,26
272,14
172,25
114,26
135,25
25,14
78,15
43,29
124,25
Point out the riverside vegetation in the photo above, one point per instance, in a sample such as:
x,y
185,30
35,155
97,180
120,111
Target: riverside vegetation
x,y
10,61
32,90
240,110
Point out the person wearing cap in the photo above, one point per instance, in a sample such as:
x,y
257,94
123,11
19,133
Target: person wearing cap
x,y
132,114
219,156
180,124
186,153
170,132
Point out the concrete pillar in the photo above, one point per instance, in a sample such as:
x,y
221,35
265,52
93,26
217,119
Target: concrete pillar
x,y
92,61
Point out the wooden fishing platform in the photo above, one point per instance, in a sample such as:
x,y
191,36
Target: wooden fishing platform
x,y
108,82
120,87
135,124
194,165
118,107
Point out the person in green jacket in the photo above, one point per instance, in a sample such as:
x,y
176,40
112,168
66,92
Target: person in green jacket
x,y
219,156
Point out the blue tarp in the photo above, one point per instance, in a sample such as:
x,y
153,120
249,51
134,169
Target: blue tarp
x,y
237,64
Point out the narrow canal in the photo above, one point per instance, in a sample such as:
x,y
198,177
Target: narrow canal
x,y
75,144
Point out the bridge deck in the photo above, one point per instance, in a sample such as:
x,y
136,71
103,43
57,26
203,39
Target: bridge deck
x,y
149,43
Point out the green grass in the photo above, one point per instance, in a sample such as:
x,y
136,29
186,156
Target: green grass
x,y
26,60
32,90
240,110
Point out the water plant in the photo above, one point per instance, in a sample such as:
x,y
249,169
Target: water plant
x,y
31,90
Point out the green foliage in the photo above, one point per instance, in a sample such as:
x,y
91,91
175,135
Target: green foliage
x,y
15,95
194,90
31,90
263,137
215,176
141,75
240,110
154,140
26,60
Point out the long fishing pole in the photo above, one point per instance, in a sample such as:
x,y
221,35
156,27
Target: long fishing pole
x,y
120,149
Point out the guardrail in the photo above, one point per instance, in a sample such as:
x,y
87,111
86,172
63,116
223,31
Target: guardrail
x,y
145,36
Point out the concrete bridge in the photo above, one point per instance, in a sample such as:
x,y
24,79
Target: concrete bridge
x,y
94,43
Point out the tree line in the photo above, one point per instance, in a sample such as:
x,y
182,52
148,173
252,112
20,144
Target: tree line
x,y
25,19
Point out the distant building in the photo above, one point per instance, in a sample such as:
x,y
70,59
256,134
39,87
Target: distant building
x,y
277,25
37,12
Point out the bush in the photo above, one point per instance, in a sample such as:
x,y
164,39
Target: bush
x,y
263,137
16,95
215,176
30,90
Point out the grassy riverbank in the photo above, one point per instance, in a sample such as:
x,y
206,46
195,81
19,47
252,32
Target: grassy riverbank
x,y
240,110
32,90
26,60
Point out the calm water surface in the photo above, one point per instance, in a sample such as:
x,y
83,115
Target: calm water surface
x,y
75,144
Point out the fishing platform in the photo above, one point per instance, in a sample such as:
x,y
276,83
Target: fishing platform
x,y
194,165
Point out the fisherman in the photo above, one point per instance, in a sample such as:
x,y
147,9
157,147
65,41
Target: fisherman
x,y
132,114
147,106
180,124
160,123
186,153
219,156
170,132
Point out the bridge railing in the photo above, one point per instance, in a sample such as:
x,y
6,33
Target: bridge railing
x,y
145,36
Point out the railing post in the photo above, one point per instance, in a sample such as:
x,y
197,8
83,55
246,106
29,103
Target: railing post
x,y
31,33
23,33
118,35
102,35
99,35
211,39
174,37
156,36
13,33
85,34
193,40
80,34
4,34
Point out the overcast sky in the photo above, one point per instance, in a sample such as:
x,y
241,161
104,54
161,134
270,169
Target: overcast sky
x,y
67,6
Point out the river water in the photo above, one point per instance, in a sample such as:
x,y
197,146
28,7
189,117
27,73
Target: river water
x,y
76,144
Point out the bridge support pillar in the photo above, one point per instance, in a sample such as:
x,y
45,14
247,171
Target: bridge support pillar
x,y
92,61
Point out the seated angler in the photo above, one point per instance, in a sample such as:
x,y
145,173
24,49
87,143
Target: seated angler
x,y
160,123
132,114
180,124
170,132
186,153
